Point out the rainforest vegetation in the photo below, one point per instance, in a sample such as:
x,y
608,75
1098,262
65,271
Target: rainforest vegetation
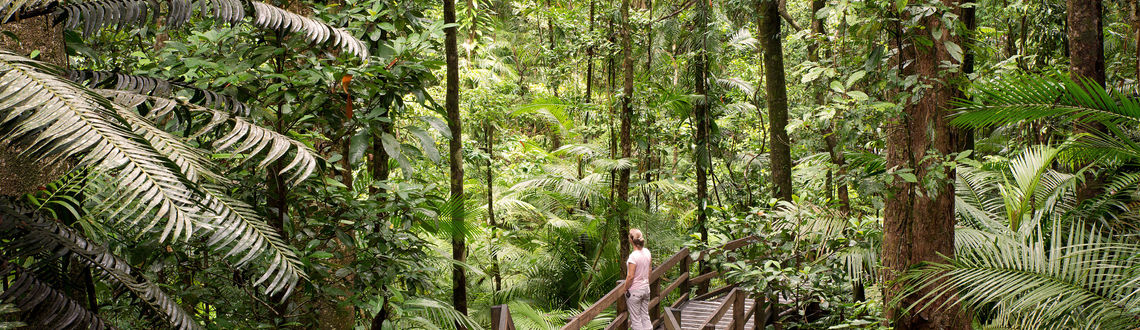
x,y
414,164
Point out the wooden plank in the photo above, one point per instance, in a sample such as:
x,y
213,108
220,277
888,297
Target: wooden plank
x,y
711,321
668,264
590,313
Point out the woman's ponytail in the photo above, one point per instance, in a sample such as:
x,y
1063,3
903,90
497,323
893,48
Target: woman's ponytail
x,y
637,237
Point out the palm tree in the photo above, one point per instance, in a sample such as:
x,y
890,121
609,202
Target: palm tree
x,y
155,183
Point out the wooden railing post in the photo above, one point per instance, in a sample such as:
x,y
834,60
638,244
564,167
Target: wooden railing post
x,y
621,309
654,292
686,267
738,319
501,318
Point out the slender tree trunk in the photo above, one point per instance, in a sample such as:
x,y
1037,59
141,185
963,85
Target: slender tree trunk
x,y
964,137
590,64
918,223
701,114
781,152
455,153
1086,62
626,126
489,133
1135,18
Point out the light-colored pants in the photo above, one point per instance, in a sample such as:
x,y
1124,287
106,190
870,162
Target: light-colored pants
x,y
638,307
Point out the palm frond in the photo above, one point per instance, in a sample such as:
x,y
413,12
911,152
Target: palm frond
x,y
1074,276
59,119
1011,100
270,17
243,136
46,235
438,312
42,306
151,86
239,228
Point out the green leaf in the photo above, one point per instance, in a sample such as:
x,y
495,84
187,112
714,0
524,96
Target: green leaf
x,y
356,147
954,50
854,78
391,146
427,143
837,86
908,177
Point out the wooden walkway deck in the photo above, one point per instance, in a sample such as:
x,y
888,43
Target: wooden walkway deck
x,y
694,313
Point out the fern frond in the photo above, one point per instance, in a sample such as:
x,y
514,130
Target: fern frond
x,y
151,86
42,306
1075,275
47,235
270,17
10,8
61,120
234,224
238,227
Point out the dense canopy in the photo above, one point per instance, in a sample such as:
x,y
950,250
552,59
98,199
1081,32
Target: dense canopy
x,y
382,164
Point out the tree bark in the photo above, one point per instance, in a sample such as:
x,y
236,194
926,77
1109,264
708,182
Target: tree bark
x,y
489,134
19,174
455,153
781,157
918,224
1086,62
626,126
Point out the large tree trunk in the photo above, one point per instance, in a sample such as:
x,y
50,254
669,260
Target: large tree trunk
x,y
701,116
455,153
781,152
20,175
626,139
918,224
1086,61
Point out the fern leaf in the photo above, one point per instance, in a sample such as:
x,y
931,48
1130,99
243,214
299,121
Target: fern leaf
x,y
274,18
47,235
42,306
10,8
239,227
60,119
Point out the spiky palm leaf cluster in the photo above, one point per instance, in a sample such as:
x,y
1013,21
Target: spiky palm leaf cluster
x,y
1024,260
157,182
95,16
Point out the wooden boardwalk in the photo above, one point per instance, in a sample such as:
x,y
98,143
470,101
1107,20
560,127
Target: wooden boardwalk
x,y
696,312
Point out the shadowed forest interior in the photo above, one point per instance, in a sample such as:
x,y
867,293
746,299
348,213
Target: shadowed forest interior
x,y
415,164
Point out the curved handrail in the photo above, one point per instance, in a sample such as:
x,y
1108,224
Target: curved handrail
x,y
683,282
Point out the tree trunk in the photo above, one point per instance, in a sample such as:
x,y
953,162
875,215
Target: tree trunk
x,y
626,139
918,224
1086,62
489,134
701,114
455,153
19,174
781,157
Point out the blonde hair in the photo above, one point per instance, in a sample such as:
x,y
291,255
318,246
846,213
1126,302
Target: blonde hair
x,y
637,237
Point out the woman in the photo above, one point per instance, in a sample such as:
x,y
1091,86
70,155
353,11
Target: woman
x,y
637,282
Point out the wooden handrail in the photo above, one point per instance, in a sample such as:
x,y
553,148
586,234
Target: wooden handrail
x,y
711,321
590,313
683,282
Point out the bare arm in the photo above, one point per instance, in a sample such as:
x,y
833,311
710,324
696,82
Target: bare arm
x,y
629,275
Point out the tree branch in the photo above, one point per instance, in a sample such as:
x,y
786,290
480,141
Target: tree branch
x,y
784,13
684,6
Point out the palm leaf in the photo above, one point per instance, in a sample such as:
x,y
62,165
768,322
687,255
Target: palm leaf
x,y
46,235
270,17
58,120
156,87
42,306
